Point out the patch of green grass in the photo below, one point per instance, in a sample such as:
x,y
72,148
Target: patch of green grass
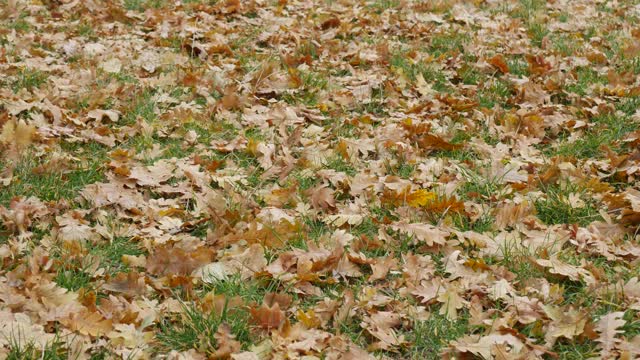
x,y
110,253
315,228
480,187
53,185
448,43
608,130
577,349
518,66
428,338
401,61
206,2
195,329
367,227
338,163
20,24
632,65
629,105
142,105
563,17
555,207
537,33
470,76
124,77
313,80
483,224
142,5
404,170
566,45
382,5
85,29
73,279
497,93
248,290
28,79
584,79
18,350
527,9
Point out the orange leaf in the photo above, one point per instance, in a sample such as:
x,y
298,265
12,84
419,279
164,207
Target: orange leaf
x,y
499,63
268,317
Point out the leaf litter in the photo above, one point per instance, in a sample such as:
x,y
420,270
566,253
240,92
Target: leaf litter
x,y
319,180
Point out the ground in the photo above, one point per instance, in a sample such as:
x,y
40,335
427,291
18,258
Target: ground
x,y
330,179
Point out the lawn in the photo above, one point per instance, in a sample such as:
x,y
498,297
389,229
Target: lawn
x,y
330,179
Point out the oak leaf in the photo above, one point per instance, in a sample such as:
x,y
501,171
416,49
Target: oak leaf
x,y
608,326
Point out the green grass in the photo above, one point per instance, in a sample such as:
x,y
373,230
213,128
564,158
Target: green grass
x,y
527,9
20,24
566,45
73,278
382,5
518,66
554,206
141,106
28,79
338,163
428,338
401,61
496,92
479,187
584,79
483,224
448,43
53,185
18,350
607,130
110,253
142,5
195,329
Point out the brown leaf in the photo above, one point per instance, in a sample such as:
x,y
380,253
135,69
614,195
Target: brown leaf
x,y
227,344
268,317
322,197
499,63
331,23
432,142
608,326
167,260
88,323
130,284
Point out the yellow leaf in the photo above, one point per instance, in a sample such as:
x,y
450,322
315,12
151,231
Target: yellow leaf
x,y
308,318
17,133
420,198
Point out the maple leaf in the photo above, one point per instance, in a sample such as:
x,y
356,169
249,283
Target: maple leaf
x,y
382,266
484,346
420,197
129,336
322,197
17,135
88,323
432,142
268,317
567,323
227,344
